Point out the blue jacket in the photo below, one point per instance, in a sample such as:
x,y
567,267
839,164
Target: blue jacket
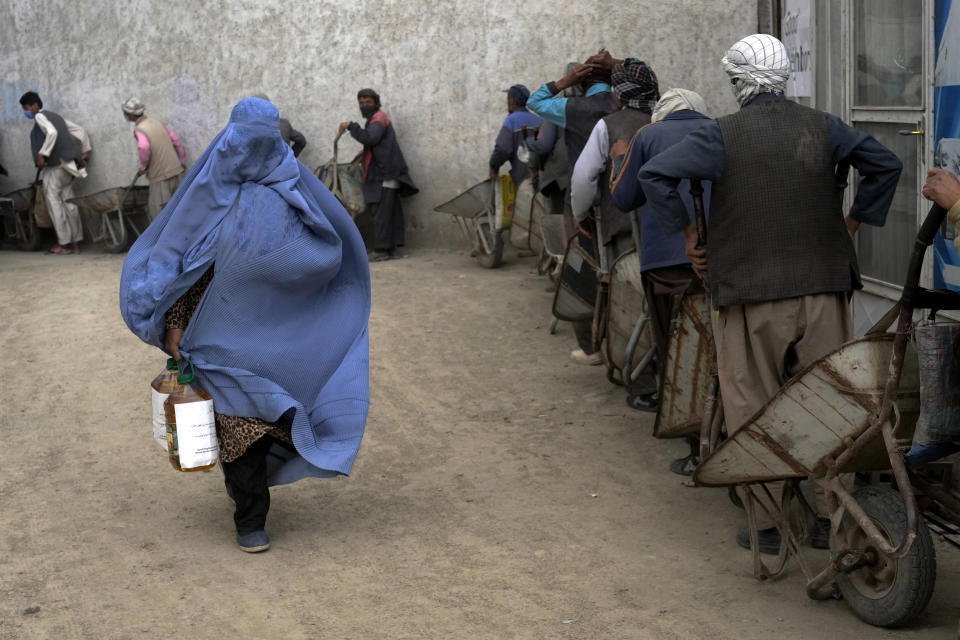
x,y
658,249
508,141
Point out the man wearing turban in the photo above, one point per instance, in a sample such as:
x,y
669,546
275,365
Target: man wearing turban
x,y
664,267
577,115
782,264
162,158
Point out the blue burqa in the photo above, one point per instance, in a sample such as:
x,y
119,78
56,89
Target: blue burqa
x,y
282,327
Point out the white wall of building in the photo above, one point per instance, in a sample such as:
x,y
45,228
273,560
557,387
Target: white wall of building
x,y
440,68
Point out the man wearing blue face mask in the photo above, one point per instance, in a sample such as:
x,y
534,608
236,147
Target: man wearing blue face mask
x,y
60,150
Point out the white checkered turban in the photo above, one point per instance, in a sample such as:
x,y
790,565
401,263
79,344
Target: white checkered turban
x,y
760,64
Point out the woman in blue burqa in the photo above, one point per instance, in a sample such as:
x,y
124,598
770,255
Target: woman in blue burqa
x,y
257,274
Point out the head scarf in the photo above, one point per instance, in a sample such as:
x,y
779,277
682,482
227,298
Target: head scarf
x,y
635,84
760,65
519,93
369,93
677,100
133,107
282,327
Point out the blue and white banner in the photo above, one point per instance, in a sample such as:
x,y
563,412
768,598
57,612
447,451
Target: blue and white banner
x,y
946,132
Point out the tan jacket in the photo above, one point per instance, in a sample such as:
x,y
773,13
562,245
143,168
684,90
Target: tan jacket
x,y
164,162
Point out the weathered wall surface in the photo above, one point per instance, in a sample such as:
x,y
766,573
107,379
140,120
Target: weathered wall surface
x,y
440,68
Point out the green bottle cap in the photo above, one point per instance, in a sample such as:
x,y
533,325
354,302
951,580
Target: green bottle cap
x,y
171,364
188,374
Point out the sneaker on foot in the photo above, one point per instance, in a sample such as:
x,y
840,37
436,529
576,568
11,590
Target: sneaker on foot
x,y
685,466
75,247
648,402
254,542
768,539
57,250
581,357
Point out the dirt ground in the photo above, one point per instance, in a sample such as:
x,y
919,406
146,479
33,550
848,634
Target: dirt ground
x,y
501,491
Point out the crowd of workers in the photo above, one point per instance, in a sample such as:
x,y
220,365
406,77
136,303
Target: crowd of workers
x,y
782,263
597,144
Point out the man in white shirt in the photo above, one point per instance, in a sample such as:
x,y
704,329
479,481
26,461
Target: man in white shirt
x,y
60,150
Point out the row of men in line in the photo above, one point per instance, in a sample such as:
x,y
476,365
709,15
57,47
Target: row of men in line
x,y
61,150
782,262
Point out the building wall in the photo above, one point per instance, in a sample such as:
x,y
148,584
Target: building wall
x,y
440,68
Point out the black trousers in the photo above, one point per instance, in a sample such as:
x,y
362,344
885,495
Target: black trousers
x,y
388,221
246,480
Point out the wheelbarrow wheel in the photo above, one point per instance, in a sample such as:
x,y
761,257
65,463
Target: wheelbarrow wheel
x,y
25,227
115,233
493,258
887,592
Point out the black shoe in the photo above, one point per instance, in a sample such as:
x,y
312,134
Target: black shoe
x,y
648,402
685,466
820,534
379,256
769,540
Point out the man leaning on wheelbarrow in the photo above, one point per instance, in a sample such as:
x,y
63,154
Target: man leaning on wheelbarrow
x,y
60,149
782,265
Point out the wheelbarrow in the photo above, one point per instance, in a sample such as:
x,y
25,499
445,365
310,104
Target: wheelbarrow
x,y
117,207
345,181
853,411
483,212
26,212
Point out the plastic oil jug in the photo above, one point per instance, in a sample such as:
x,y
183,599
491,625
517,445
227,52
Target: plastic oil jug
x,y
160,389
191,432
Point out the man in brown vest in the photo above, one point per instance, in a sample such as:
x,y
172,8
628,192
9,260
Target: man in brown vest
x,y
782,262
162,158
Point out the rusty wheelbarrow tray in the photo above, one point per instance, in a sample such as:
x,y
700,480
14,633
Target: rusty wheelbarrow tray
x,y
26,212
687,372
345,181
852,411
628,347
483,213
116,207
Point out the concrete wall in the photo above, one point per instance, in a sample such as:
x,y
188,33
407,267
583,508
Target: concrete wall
x,y
439,67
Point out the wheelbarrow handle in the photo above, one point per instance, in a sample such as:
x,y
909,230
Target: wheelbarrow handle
x,y
696,192
126,192
930,225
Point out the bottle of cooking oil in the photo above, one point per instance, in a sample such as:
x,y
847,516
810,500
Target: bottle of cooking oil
x,y
191,433
160,389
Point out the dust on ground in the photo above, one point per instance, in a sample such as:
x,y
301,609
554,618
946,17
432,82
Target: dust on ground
x,y
501,491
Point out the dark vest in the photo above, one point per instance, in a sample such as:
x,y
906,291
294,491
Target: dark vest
x,y
620,126
583,113
776,226
65,149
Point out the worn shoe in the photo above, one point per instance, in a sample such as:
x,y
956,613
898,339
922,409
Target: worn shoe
x,y
75,247
648,402
685,466
379,256
581,357
768,539
820,534
57,250
254,542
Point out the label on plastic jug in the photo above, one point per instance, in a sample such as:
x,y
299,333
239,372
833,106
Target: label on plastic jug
x,y
196,441
159,419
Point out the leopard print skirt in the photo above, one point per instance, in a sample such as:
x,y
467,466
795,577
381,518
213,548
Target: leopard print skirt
x,y
236,433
